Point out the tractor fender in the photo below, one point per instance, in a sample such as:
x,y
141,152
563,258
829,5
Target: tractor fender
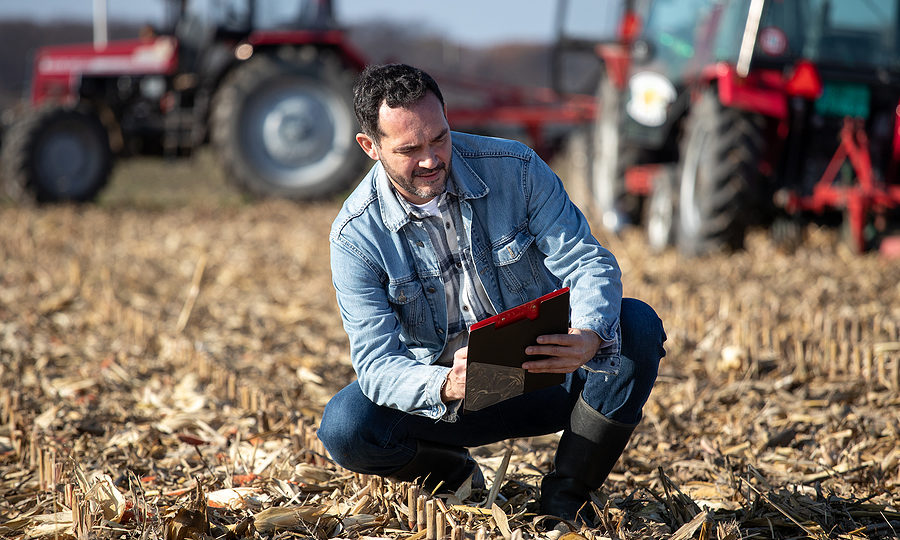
x,y
323,39
760,92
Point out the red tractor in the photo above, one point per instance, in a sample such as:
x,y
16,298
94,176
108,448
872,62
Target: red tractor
x,y
267,83
718,115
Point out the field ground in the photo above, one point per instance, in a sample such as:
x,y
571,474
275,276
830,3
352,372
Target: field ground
x,y
175,340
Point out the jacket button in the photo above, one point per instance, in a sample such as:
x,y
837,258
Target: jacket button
x,y
431,290
420,244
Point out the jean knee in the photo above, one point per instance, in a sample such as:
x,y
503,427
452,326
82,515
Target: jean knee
x,y
643,336
360,436
339,429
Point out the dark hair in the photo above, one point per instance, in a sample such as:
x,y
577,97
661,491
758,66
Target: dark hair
x,y
397,85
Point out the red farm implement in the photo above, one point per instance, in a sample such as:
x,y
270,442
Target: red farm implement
x,y
852,185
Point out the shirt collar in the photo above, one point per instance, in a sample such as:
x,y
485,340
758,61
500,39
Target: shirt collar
x,y
417,213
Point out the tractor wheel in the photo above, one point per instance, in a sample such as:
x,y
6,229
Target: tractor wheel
x,y
719,170
661,211
611,157
285,127
55,154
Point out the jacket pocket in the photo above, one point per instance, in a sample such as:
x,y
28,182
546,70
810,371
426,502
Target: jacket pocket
x,y
516,263
409,303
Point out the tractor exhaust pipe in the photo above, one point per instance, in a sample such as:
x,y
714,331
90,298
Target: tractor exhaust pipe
x,y
100,25
748,43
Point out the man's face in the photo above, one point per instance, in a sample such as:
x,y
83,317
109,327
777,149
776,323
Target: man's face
x,y
414,148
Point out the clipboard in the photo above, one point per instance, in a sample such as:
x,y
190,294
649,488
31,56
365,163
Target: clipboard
x,y
497,350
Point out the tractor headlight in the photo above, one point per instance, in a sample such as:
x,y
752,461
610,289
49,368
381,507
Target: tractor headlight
x,y
153,87
650,95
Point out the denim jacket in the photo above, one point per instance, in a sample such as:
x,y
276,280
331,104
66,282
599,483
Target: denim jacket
x,y
527,239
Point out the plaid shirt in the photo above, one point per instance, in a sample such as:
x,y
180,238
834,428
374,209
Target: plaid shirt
x,y
467,301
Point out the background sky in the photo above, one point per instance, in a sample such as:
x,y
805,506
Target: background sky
x,y
469,22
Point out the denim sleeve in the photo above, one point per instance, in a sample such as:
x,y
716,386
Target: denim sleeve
x,y
572,253
388,373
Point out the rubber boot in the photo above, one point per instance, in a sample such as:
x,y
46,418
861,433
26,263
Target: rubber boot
x,y
435,463
587,452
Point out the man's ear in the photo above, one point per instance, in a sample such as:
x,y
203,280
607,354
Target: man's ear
x,y
368,145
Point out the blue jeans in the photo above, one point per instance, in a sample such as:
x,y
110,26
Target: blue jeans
x,y
368,438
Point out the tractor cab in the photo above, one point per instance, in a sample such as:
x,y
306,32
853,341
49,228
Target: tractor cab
x,y
835,34
239,18
208,29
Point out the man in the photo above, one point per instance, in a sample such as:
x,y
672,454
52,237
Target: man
x,y
447,229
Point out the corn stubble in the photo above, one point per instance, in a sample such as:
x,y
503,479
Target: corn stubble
x,y
163,373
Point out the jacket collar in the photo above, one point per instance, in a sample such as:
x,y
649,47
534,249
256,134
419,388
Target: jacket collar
x,y
463,182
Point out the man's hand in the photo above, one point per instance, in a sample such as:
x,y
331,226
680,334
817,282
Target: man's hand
x,y
455,385
567,352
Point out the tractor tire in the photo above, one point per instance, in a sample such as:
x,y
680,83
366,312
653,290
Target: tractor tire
x,y
615,207
661,211
284,126
719,171
55,154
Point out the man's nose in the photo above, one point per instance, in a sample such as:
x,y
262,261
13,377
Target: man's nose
x,y
429,159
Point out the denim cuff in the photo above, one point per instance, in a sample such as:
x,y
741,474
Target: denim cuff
x,y
605,331
437,408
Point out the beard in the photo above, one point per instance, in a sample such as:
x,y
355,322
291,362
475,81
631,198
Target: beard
x,y
422,190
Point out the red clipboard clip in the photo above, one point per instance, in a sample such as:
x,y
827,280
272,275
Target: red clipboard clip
x,y
528,310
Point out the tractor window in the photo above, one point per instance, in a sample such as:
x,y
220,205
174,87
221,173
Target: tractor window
x,y
728,30
852,32
674,29
203,17
289,14
672,24
231,15
837,32
234,16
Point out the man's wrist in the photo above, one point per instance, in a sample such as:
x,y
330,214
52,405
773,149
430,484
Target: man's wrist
x,y
444,397
594,334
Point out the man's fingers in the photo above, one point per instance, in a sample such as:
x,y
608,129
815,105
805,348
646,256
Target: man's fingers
x,y
555,350
564,352
558,339
546,350
556,365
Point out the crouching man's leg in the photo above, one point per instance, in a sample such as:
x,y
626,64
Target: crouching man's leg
x,y
365,438
605,415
